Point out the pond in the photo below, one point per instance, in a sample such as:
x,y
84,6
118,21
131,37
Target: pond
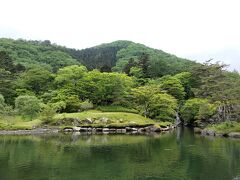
x,y
175,155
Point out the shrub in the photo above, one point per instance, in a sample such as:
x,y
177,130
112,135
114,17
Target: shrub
x,y
27,106
115,108
48,112
197,109
86,105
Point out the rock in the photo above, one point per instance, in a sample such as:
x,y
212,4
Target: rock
x,y
154,128
128,129
234,135
134,132
112,130
76,122
165,129
207,132
89,129
140,130
119,130
105,129
76,129
210,133
103,120
162,126
134,129
197,130
87,121
68,129
99,129
82,129
219,134
93,130
124,130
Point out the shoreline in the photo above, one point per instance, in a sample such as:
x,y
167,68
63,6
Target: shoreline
x,y
208,132
91,130
30,132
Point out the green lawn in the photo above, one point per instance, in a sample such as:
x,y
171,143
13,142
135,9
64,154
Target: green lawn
x,y
116,119
17,122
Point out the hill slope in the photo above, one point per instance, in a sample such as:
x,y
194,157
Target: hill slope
x,y
105,57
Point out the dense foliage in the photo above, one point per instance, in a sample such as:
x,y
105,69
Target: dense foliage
x,y
40,78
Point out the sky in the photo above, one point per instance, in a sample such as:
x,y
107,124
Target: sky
x,y
196,29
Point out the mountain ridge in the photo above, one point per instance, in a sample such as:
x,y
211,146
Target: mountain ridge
x,y
112,56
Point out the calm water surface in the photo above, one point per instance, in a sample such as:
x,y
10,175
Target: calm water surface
x,y
177,155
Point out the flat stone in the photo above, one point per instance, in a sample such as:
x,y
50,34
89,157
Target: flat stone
x,y
105,129
76,129
67,129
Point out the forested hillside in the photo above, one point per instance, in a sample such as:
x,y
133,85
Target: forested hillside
x,y
118,56
40,79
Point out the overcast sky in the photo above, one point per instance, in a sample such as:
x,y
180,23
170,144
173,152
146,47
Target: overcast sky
x,y
196,29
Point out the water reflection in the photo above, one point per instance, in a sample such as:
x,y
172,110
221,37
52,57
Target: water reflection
x,y
176,155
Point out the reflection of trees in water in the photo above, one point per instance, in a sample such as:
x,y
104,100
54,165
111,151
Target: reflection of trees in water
x,y
177,155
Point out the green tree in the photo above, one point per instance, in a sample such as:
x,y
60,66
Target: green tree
x,y
163,107
2,104
173,87
197,109
28,106
127,68
155,104
213,82
70,75
104,88
36,80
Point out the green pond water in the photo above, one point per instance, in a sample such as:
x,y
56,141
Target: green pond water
x,y
176,155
